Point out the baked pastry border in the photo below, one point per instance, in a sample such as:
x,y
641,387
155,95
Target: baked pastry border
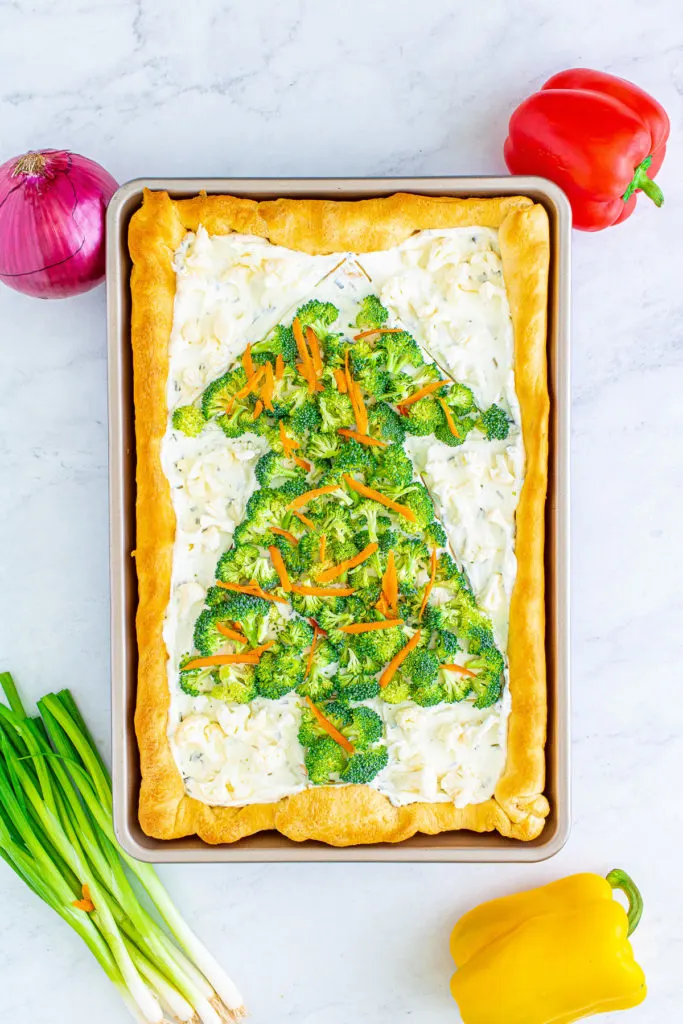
x,y
339,816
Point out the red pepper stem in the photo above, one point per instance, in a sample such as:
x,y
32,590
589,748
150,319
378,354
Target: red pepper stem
x,y
618,879
641,181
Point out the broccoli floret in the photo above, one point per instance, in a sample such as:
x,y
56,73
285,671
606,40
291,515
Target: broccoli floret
x,y
318,315
487,687
245,563
237,684
374,381
297,634
324,759
304,420
319,684
356,687
372,517
371,313
280,341
376,648
435,535
446,646
207,637
419,501
335,409
396,692
494,423
278,672
220,392
424,416
392,472
385,424
463,426
353,458
196,682
309,605
427,695
189,420
411,555
362,767
421,667
460,399
455,688
365,728
237,422
427,373
252,614
324,444
399,351
272,470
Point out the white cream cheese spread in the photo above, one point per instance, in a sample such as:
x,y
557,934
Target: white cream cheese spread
x,y
447,288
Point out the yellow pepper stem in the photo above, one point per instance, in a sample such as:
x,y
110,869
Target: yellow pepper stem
x,y
618,879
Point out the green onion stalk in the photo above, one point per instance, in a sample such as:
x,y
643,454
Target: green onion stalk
x,y
56,833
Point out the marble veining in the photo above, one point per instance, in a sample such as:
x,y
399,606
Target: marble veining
x,y
265,88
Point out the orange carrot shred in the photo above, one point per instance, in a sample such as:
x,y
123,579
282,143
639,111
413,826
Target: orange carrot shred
x,y
330,729
304,499
322,549
85,892
390,584
288,443
314,346
309,660
341,381
303,463
280,568
349,563
261,648
306,368
266,595
279,367
423,392
429,585
251,384
398,659
382,606
258,409
286,534
378,330
306,591
367,627
247,658
304,519
248,362
268,387
370,492
231,634
372,442
460,668
250,588
449,418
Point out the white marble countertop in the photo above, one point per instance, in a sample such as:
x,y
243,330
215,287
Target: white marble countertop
x,y
266,88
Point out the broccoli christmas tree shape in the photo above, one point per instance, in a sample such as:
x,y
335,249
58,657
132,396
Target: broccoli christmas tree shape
x,y
326,589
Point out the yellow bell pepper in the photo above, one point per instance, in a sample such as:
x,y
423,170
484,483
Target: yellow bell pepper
x,y
549,956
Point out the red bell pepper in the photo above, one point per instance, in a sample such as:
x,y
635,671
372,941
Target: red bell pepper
x,y
599,137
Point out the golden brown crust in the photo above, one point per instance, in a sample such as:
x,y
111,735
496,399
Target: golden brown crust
x,y
340,816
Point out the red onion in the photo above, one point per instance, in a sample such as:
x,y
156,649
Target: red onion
x,y
52,207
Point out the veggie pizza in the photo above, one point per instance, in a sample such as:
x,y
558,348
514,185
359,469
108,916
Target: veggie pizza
x,y
342,440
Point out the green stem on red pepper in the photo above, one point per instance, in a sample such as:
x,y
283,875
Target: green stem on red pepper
x,y
647,185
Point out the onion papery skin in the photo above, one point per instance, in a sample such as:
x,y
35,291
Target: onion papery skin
x,y
52,223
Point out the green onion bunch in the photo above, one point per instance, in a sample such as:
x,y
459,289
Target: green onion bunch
x,y
56,833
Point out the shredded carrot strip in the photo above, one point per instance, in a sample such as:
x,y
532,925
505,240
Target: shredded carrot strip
x,y
288,443
449,418
250,588
309,660
304,519
423,392
268,387
306,591
280,568
378,330
372,442
330,729
367,627
382,606
341,381
248,658
460,668
398,659
266,595
231,634
312,622
251,384
314,346
304,499
359,410
303,463
286,534
258,409
248,362
370,492
261,648
306,368
86,902
389,597
322,549
279,367
349,563
429,585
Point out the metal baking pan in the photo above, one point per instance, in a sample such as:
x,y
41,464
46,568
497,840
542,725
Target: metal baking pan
x,y
271,846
